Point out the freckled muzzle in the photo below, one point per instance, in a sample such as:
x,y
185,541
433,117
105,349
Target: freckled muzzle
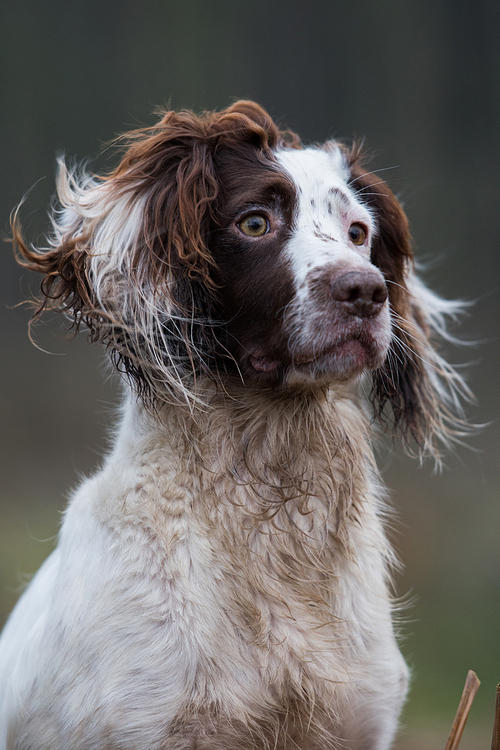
x,y
342,323
338,328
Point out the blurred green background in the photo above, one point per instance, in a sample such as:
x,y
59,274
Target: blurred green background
x,y
420,79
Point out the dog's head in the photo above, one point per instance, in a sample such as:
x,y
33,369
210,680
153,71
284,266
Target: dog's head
x,y
222,248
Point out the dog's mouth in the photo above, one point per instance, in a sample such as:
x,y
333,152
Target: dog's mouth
x,y
350,354
348,349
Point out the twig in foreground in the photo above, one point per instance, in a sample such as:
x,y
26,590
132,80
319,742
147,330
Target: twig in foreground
x,y
495,742
457,729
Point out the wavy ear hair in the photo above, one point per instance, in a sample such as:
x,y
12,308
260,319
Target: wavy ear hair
x,y
129,258
423,392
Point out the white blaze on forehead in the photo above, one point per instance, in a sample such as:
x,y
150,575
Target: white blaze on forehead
x,y
327,207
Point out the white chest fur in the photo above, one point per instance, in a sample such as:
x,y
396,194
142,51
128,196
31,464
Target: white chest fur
x,y
186,598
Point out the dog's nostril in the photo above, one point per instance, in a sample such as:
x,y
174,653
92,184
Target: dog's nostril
x,y
361,293
353,294
380,293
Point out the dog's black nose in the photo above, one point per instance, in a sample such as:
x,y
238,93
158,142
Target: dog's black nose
x,y
361,293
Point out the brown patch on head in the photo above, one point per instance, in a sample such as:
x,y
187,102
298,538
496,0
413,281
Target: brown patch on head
x,y
255,284
182,169
174,163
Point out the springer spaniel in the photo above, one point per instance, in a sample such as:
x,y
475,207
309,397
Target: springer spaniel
x,y
223,581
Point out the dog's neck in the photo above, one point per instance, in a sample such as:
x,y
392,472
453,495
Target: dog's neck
x,y
281,488
267,451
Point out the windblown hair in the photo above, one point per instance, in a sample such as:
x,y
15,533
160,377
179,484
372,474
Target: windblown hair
x,y
131,258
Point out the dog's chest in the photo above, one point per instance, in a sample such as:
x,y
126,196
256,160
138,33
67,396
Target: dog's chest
x,y
217,614
256,603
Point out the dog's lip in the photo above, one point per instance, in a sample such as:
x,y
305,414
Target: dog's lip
x,y
349,346
345,347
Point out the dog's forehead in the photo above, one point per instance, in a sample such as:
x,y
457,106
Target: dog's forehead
x,y
316,173
326,205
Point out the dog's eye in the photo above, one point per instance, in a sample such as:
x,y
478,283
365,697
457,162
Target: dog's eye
x,y
357,234
254,225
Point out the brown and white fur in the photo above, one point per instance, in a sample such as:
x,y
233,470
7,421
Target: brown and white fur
x,y
223,581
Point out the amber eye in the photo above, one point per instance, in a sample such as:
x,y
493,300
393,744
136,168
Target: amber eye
x,y
254,225
357,234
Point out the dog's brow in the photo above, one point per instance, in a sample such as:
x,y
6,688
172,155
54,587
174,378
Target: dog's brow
x,y
340,194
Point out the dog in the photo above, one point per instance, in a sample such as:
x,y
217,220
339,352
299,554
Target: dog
x,y
224,580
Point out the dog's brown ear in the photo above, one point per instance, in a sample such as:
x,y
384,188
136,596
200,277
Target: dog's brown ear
x,y
132,233
422,391
128,255
169,167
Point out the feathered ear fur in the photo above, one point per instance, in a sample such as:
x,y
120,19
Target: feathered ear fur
x,y
129,256
423,391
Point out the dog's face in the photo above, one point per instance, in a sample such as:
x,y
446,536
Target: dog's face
x,y
303,300
220,248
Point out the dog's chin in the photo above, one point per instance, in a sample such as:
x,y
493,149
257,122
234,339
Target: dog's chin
x,y
341,361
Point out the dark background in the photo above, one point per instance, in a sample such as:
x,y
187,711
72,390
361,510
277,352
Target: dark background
x,y
421,81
